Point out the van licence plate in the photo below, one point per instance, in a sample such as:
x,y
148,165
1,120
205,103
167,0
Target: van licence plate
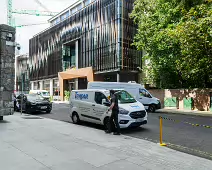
x,y
43,107
139,120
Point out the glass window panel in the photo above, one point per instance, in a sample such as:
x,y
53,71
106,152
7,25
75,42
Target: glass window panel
x,y
87,2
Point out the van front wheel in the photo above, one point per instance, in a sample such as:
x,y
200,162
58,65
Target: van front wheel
x,y
107,123
75,118
151,108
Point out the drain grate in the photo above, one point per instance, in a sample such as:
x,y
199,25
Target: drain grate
x,y
31,117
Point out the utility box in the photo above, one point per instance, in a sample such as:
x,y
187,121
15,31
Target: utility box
x,y
171,102
7,69
188,103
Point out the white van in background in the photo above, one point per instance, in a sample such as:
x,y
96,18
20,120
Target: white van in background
x,y
44,93
92,106
138,91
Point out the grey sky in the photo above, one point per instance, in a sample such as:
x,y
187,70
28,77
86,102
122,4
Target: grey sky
x,y
25,33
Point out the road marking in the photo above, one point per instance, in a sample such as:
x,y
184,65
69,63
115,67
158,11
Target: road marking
x,y
185,122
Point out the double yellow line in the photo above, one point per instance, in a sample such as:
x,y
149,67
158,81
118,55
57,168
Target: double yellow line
x,y
185,122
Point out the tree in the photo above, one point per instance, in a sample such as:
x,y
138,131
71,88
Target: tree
x,y
177,36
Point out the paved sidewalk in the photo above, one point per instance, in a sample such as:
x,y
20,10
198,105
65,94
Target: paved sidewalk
x,y
46,144
185,112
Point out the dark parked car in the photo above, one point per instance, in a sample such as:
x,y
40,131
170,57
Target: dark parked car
x,y
33,103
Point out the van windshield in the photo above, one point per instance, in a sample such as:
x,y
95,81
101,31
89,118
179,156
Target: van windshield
x,y
144,93
125,97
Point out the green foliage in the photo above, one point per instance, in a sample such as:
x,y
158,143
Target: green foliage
x,y
51,98
67,95
177,36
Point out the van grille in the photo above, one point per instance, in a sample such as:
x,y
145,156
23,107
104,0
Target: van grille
x,y
139,114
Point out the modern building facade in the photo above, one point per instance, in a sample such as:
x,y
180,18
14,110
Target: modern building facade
x,y
22,73
90,33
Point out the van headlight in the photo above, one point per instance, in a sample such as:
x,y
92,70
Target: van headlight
x,y
123,111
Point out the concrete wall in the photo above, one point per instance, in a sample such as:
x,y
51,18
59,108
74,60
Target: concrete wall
x,y
7,70
201,96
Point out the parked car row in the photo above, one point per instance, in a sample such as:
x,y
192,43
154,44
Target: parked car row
x,y
92,104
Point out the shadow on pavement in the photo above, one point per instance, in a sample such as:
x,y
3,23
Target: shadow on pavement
x,y
132,130
41,113
91,125
4,121
123,131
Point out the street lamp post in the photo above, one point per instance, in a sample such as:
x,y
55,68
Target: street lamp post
x,y
22,89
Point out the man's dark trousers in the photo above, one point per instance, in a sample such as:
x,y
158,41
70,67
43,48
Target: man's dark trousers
x,y
114,120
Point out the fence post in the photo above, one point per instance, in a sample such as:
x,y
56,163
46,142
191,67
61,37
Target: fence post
x,y
161,132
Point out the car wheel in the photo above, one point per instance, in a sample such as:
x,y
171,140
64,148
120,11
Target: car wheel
x,y
1,118
27,111
107,123
17,109
75,118
151,108
48,111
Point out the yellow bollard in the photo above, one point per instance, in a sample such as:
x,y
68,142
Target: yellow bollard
x,y
161,132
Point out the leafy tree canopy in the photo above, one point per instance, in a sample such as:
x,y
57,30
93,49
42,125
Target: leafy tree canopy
x,y
177,36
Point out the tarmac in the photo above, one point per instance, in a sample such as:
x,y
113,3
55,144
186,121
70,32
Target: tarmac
x,y
29,142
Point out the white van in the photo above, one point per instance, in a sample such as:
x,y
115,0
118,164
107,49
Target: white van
x,y
45,94
150,102
92,105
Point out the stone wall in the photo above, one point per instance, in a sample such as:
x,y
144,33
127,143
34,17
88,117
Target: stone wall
x,y
201,97
7,69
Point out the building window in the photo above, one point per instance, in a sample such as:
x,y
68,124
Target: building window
x,y
65,15
79,7
73,58
87,2
55,87
35,85
46,85
74,10
57,20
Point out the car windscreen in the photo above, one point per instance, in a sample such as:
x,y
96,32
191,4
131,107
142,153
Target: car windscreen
x,y
45,93
125,97
34,97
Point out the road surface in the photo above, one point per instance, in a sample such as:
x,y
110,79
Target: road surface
x,y
194,140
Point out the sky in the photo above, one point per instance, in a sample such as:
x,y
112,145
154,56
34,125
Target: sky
x,y
25,33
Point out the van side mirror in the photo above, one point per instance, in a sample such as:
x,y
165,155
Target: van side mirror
x,y
104,102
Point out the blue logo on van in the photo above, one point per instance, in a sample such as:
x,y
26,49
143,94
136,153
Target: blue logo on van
x,y
81,96
135,106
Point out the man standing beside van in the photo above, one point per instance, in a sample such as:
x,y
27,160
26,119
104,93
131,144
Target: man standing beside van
x,y
114,116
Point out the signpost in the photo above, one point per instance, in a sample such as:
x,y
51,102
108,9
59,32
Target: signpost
x,y
58,91
22,84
